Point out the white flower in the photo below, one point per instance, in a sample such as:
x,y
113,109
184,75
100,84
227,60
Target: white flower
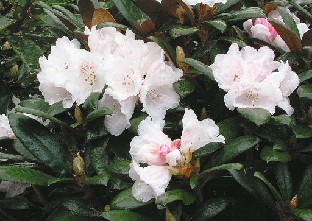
x,y
5,128
12,188
157,93
197,134
152,146
150,181
251,80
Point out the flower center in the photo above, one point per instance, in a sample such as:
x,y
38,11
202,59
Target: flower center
x,y
88,72
127,82
252,96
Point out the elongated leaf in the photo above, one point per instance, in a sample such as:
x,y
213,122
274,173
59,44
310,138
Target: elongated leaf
x,y
80,207
230,128
210,209
184,87
169,50
268,154
257,115
305,76
207,149
125,200
135,15
101,179
302,131
179,31
244,14
173,195
254,186
27,175
15,203
5,22
102,112
218,24
284,181
200,67
304,214
229,166
41,143
223,7
19,147
305,188
288,20
68,216
234,148
123,215
305,91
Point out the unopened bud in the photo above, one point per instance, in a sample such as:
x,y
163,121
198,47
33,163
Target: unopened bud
x,y
79,166
6,46
14,70
78,115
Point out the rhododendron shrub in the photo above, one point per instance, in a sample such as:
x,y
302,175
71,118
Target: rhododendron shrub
x,y
155,110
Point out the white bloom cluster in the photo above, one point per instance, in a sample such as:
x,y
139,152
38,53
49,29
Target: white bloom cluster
x,y
252,79
131,69
262,29
5,128
164,157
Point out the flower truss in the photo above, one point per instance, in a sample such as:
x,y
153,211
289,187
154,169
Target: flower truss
x,y
252,79
131,70
163,157
262,29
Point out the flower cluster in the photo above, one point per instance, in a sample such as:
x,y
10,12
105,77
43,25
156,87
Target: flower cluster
x,y
164,157
130,69
252,79
5,128
262,29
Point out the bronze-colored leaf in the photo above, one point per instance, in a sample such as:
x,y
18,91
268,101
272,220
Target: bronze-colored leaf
x,y
205,12
154,10
86,9
146,27
269,7
178,9
101,15
290,38
307,38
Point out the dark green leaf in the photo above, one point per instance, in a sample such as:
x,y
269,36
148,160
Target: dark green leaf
x,y
257,115
41,105
282,119
101,179
102,112
123,215
184,87
268,154
210,209
200,67
304,214
228,166
99,159
6,156
305,91
27,175
254,186
284,181
5,22
218,24
305,188
19,147
41,143
223,7
305,76
68,216
173,195
207,149
165,46
229,128
234,148
80,207
194,181
179,31
244,14
120,167
15,203
302,131
288,20
135,123
125,200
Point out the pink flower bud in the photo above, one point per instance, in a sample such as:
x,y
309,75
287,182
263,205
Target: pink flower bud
x,y
164,149
266,23
175,144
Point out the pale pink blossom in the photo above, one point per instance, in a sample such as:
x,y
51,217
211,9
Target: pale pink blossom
x,y
5,128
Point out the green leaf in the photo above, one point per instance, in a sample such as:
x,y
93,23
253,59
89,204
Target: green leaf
x,y
5,22
257,115
41,143
254,186
20,148
200,67
173,195
223,7
68,216
234,148
40,104
305,91
305,76
179,31
210,209
288,20
282,119
6,156
302,131
135,122
28,51
27,175
194,181
230,128
207,149
101,179
305,188
120,167
304,214
80,207
123,215
15,203
102,112
184,87
244,14
125,200
229,166
111,24
99,158
268,154
275,192
284,181
218,24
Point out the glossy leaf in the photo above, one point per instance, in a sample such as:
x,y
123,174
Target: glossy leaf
x,y
200,67
101,179
305,91
268,154
257,115
305,188
5,22
210,209
173,195
304,214
125,200
123,215
284,181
